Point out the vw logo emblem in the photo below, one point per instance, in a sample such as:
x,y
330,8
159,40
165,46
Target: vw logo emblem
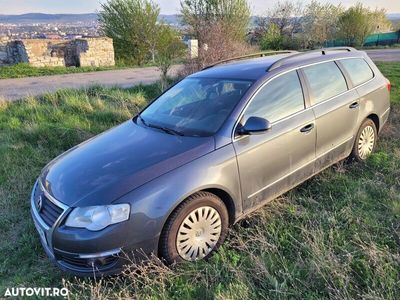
x,y
39,203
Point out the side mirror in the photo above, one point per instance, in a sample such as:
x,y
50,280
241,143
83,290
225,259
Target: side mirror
x,y
254,125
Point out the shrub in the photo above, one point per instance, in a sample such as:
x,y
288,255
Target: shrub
x,y
132,24
168,48
272,38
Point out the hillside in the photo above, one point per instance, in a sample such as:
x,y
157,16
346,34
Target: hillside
x,y
47,18
65,18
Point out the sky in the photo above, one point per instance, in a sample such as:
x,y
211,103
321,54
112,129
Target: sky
x,y
167,6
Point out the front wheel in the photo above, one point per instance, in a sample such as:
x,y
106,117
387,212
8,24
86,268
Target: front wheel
x,y
365,141
195,229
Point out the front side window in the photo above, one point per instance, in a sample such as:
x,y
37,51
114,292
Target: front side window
x,y
358,70
326,81
195,106
278,99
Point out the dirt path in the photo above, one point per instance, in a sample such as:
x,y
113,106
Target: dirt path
x,y
12,89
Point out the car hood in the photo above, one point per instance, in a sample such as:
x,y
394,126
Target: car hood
x,y
117,161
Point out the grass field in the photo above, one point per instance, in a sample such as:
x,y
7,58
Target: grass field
x,y
335,236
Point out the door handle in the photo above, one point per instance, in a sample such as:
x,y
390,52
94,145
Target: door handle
x,y
307,128
354,105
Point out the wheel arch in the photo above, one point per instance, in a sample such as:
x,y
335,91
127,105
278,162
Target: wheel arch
x,y
228,201
374,118
220,192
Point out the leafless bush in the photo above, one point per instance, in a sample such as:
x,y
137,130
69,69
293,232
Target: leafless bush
x,y
216,46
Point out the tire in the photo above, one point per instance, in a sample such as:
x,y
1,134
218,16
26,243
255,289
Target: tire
x,y
195,229
365,141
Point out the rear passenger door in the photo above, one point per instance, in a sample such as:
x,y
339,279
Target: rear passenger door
x,y
336,110
272,162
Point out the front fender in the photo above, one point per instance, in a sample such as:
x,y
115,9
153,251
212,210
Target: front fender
x,y
152,203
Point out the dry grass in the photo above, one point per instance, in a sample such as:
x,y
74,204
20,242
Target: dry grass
x,y
336,236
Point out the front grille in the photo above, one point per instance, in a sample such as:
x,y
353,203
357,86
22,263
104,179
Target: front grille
x,y
87,263
49,212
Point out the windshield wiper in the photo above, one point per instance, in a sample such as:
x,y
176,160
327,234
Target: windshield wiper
x,y
165,129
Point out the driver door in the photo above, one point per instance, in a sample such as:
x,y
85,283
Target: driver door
x,y
272,162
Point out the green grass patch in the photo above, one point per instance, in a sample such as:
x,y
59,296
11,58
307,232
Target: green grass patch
x,y
392,72
22,70
335,236
25,70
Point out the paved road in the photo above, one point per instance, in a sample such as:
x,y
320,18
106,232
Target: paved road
x,y
12,89
384,54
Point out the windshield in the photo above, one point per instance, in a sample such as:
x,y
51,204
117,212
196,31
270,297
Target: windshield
x,y
195,106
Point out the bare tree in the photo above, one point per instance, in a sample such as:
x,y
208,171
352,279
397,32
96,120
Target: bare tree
x,y
232,16
280,26
216,47
286,15
220,27
261,27
319,23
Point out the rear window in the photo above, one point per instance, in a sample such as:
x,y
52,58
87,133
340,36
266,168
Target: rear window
x,y
326,81
358,70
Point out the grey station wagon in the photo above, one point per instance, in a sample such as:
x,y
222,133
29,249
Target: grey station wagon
x,y
211,149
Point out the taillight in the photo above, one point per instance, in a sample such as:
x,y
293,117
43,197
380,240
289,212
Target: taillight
x,y
388,86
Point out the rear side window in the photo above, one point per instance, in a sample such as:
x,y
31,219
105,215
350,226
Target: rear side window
x,y
358,70
278,99
326,81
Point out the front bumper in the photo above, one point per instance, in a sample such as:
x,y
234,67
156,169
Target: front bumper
x,y
82,252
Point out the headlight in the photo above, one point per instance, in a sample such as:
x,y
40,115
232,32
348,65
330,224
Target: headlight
x,y
95,218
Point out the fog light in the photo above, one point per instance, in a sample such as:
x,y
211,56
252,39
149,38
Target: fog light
x,y
96,262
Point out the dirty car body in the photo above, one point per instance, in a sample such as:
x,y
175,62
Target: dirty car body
x,y
141,173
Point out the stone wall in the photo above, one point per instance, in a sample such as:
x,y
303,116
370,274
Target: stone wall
x,y
4,57
55,53
95,52
41,53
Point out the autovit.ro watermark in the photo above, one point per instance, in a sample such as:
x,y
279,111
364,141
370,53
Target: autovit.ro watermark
x,y
36,292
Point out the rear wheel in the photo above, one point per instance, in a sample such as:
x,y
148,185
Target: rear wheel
x,y
195,229
365,141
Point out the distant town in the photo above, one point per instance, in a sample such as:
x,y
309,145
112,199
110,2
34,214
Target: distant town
x,y
72,26
75,26
57,26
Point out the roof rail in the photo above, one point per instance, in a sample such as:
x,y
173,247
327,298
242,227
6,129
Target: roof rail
x,y
323,51
258,54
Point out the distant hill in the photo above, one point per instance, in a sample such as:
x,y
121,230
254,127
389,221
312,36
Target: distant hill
x,y
65,18
170,19
393,16
47,18
74,18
